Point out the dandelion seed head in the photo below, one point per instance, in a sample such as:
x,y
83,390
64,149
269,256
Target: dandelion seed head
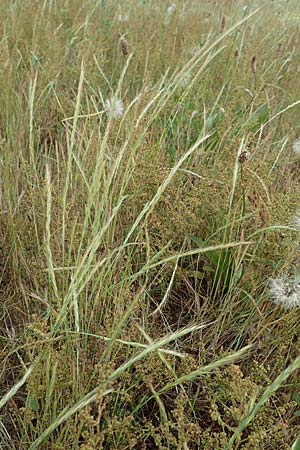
x,y
114,107
285,291
296,147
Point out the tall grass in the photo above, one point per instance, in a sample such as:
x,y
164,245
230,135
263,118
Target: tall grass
x,y
137,250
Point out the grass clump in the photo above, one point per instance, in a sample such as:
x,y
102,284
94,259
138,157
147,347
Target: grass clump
x,y
149,193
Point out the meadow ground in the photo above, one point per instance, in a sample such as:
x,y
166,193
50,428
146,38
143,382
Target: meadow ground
x,y
150,225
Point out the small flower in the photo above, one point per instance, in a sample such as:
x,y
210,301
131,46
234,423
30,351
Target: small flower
x,y
285,291
123,19
296,147
194,114
114,107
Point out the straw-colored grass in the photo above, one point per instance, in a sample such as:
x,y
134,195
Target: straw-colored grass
x,y
149,192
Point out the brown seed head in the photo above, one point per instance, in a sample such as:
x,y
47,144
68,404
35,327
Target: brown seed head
x,y
124,46
253,64
223,24
244,156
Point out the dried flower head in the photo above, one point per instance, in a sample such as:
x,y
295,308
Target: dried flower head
x,y
296,147
244,156
285,291
124,46
114,107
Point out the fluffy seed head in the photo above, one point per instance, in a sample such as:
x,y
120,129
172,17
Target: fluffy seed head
x,y
114,107
285,291
296,147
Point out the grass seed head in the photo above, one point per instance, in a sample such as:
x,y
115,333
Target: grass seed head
x,y
223,24
124,46
253,64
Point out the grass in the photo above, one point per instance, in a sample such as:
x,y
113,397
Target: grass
x,y
137,250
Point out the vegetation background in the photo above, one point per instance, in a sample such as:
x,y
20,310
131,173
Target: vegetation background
x,y
149,172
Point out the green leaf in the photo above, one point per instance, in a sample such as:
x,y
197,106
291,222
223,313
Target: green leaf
x,y
296,398
296,444
33,403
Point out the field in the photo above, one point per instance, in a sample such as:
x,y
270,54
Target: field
x,y
150,225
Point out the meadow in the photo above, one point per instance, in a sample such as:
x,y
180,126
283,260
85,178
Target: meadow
x,y
150,225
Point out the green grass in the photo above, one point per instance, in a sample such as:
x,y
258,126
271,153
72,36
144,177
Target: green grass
x,y
137,251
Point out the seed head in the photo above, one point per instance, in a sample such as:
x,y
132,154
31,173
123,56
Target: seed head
x,y
223,24
244,156
253,64
114,107
296,147
285,291
124,46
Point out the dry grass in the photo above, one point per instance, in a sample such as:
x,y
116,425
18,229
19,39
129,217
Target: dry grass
x,y
136,251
